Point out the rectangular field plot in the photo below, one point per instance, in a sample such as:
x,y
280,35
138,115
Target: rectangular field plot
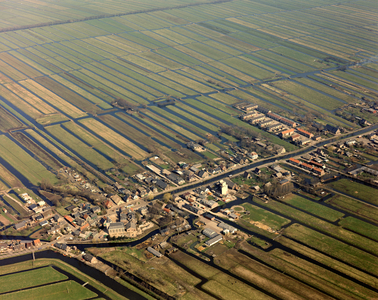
x,y
322,226
78,146
30,278
176,123
356,190
192,84
328,261
67,290
326,89
53,99
313,208
218,278
114,138
67,94
354,206
308,94
8,121
361,227
8,178
133,133
23,162
272,280
326,280
333,247
260,216
19,93
43,155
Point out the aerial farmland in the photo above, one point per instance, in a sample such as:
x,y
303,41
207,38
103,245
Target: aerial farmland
x,y
150,101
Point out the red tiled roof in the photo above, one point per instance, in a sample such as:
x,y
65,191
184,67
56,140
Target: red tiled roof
x,y
307,165
304,131
316,163
86,225
295,160
68,218
287,131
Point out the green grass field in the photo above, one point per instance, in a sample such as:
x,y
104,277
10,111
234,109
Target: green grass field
x,y
69,290
354,206
29,279
356,190
317,209
258,214
361,227
322,226
333,247
23,162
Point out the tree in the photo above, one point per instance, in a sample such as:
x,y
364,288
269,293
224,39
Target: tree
x,y
167,197
45,184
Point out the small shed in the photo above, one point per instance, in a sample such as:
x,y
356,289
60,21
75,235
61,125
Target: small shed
x,y
154,252
90,258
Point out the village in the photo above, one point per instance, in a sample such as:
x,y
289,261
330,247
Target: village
x,y
206,212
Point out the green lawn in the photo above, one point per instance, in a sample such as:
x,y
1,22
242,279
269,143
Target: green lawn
x,y
357,190
29,279
313,208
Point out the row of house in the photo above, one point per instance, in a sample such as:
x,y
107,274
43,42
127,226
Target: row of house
x,y
19,245
312,166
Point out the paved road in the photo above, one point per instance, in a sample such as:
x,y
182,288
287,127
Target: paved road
x,y
262,162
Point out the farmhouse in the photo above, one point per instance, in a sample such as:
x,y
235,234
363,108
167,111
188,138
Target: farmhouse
x,y
176,179
281,119
307,166
254,155
161,184
225,226
20,226
63,247
332,129
267,122
195,147
295,137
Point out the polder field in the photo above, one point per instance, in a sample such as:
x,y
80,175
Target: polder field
x,y
50,279
81,86
65,69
